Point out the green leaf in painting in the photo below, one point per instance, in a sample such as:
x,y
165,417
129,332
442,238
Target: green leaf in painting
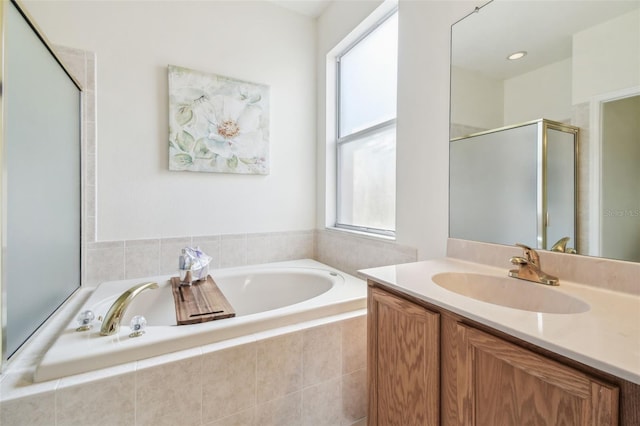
x,y
232,162
201,150
183,160
184,114
185,141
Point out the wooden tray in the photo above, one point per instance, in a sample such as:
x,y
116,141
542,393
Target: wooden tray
x,y
200,302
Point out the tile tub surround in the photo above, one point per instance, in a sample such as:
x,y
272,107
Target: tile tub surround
x,y
309,374
82,65
348,252
615,275
327,385
117,260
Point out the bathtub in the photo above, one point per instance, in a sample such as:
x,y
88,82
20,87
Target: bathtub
x,y
264,297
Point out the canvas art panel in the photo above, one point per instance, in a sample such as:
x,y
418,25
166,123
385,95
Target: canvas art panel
x,y
217,124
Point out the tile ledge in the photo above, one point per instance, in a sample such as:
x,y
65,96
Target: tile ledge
x,y
607,274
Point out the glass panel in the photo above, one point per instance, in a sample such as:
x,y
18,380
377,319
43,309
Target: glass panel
x,y
621,179
560,187
368,80
367,181
42,147
493,187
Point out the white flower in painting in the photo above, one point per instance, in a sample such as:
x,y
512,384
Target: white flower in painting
x,y
234,126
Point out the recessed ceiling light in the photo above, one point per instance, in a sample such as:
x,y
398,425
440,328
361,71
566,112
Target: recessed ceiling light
x,y
517,55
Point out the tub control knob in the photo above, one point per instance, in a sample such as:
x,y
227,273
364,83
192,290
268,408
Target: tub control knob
x,y
84,320
137,325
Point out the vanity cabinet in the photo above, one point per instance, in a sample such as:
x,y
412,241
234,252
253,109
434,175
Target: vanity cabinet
x,y
403,360
429,366
500,383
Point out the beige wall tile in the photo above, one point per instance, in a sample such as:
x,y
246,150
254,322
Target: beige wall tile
x,y
321,404
354,396
245,418
228,382
141,258
280,412
170,249
170,394
33,410
105,402
233,250
300,245
321,353
350,252
279,366
354,344
105,264
264,248
211,246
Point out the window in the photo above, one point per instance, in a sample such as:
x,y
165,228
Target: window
x,y
366,131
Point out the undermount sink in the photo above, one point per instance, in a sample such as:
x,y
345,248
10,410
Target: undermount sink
x,y
510,292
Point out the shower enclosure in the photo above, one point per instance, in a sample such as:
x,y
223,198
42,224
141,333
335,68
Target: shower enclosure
x,y
515,184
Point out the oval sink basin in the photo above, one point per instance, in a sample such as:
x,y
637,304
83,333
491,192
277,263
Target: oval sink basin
x,y
510,292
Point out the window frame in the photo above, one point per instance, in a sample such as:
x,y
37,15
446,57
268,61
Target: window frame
x,y
358,135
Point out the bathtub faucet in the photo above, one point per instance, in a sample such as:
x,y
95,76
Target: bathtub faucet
x,y
111,323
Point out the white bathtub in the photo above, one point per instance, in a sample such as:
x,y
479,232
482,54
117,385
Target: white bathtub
x,y
264,297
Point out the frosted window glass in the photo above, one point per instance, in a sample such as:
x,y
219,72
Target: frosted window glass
x,y
368,80
42,147
493,187
367,181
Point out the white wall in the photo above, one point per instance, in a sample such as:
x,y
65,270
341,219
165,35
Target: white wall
x,y
541,93
423,123
476,100
260,42
135,41
597,68
423,115
485,103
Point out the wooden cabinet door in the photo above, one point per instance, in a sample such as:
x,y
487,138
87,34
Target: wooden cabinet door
x,y
499,383
403,362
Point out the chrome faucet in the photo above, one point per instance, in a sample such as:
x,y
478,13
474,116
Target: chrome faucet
x,y
529,267
111,322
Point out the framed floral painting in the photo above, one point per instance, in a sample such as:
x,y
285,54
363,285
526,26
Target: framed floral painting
x,y
217,124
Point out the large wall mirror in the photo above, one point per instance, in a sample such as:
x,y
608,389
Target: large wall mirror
x,y
578,67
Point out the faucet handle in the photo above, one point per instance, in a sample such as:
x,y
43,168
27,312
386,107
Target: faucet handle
x,y
530,254
518,260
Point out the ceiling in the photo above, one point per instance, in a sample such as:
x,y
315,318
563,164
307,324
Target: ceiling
x,y
312,8
482,41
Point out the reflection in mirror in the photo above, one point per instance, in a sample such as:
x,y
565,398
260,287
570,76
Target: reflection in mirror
x,y
515,183
581,68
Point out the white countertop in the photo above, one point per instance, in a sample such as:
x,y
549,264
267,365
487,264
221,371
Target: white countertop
x,y
606,337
